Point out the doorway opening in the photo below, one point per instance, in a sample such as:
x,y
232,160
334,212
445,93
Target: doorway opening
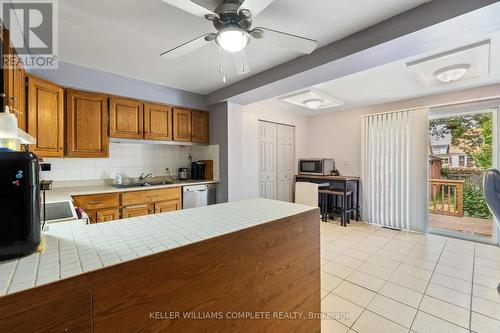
x,y
276,161
461,148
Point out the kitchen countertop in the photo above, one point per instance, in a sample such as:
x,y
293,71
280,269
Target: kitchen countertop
x,y
65,193
73,248
341,178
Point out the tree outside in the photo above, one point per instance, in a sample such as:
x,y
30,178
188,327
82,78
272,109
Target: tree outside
x,y
472,134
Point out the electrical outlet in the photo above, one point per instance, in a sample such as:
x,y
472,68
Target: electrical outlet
x,y
45,166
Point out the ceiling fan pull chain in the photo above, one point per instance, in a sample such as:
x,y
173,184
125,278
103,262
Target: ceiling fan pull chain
x,y
222,64
244,61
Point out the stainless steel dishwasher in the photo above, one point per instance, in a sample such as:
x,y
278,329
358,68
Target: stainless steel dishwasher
x,y
198,195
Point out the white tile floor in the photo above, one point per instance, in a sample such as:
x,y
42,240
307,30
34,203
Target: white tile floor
x,y
380,280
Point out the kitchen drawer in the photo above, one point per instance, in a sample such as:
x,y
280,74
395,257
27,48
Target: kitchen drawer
x,y
150,196
97,201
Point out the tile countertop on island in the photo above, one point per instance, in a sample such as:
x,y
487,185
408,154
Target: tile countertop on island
x,y
65,193
73,248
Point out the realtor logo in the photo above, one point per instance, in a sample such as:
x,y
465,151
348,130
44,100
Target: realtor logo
x,y
33,32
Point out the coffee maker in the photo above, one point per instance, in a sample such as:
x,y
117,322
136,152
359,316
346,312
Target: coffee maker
x,y
198,170
20,213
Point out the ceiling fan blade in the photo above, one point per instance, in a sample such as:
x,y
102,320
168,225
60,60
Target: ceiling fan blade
x,y
191,7
255,6
289,41
241,62
188,47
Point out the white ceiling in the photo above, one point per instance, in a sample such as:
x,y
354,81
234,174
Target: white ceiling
x,y
126,37
395,82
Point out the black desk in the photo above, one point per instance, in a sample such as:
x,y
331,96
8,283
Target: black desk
x,y
337,182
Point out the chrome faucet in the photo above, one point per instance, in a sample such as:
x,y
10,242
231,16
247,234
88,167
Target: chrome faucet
x,y
143,177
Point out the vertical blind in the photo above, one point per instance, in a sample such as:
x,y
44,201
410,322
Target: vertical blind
x,y
394,169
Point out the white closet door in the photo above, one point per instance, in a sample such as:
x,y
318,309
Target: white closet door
x,y
267,160
286,162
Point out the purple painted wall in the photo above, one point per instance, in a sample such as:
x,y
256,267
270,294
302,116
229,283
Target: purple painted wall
x,y
80,77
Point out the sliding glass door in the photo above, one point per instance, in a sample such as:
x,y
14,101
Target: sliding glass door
x,y
462,146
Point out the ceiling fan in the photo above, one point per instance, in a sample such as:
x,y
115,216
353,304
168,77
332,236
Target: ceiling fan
x,y
233,21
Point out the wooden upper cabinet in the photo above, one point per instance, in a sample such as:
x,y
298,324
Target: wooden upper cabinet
x,y
14,82
86,124
126,118
18,97
200,126
157,122
46,117
182,125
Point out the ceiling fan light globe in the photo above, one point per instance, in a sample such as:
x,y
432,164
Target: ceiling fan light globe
x,y
233,39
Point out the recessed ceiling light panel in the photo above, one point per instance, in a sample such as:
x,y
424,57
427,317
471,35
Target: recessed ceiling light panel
x,y
466,63
451,73
312,99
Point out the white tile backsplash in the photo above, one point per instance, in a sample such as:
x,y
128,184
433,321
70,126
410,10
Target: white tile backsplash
x,y
131,160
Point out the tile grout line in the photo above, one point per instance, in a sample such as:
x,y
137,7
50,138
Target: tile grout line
x,y
377,293
345,279
9,282
428,283
385,282
365,308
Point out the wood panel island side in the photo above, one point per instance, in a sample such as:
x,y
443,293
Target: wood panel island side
x,y
248,266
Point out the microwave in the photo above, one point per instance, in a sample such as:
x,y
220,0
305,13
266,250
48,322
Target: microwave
x,y
316,166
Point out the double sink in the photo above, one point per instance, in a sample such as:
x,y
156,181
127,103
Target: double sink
x,y
143,182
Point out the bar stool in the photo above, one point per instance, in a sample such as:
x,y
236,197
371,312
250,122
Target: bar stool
x,y
323,201
341,209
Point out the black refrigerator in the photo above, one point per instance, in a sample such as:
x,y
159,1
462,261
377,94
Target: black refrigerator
x,y
20,216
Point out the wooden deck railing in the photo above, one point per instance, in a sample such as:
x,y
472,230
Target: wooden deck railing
x,y
446,197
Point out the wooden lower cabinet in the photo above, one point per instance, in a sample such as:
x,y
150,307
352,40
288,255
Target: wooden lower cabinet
x,y
167,206
246,270
99,207
114,206
135,211
97,201
107,215
150,196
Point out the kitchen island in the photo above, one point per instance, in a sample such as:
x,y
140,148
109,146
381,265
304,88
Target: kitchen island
x,y
230,266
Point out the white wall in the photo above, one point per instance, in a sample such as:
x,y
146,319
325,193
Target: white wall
x,y
243,144
338,134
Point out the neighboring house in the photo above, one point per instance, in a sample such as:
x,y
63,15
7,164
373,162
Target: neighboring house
x,y
452,156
